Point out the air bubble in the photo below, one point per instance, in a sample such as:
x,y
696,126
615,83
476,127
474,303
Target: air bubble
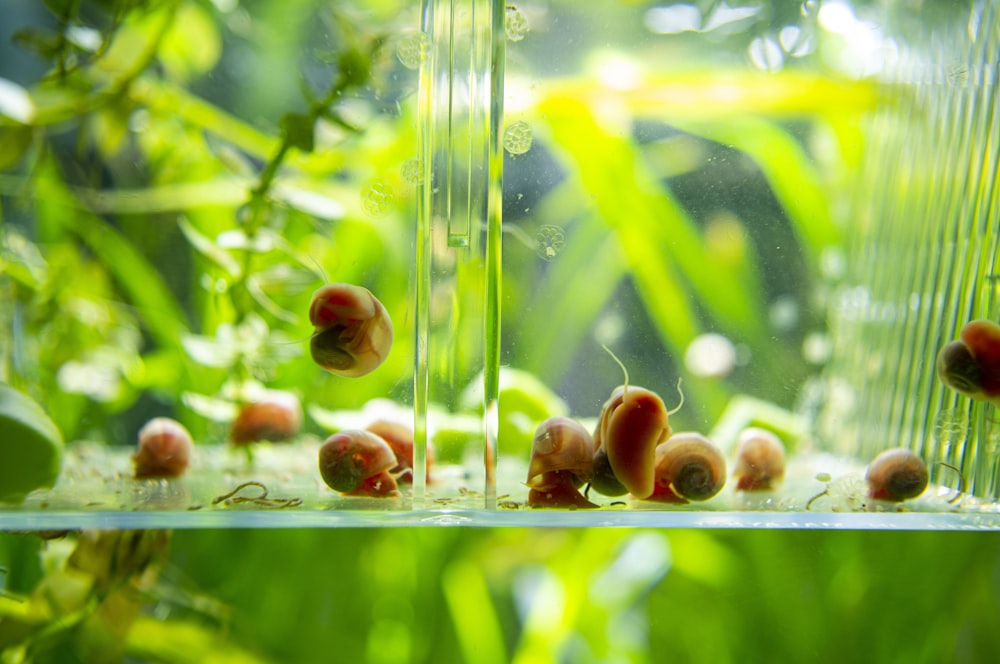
x,y
517,137
515,24
412,171
410,50
377,198
551,240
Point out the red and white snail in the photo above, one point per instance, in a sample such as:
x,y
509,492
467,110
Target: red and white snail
x,y
562,460
971,365
400,439
688,467
353,330
896,475
760,460
164,449
358,463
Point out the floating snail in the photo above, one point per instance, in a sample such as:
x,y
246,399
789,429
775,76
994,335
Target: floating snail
x,y
760,460
562,460
688,467
275,417
353,330
357,463
971,365
896,475
400,439
164,449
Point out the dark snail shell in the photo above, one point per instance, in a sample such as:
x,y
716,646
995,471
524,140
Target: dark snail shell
x,y
353,330
164,449
357,463
896,475
971,365
760,460
633,422
688,467
400,439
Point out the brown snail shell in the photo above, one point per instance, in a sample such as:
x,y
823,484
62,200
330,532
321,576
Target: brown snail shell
x,y
562,459
357,463
276,417
400,439
688,467
164,449
896,475
353,330
760,460
633,422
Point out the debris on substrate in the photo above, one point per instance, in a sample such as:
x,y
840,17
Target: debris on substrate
x,y
285,477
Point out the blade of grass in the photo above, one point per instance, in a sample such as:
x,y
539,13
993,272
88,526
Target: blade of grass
x,y
654,230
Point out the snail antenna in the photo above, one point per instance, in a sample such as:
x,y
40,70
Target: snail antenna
x,y
619,362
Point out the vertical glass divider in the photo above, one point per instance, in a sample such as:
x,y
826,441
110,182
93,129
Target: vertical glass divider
x,y
457,285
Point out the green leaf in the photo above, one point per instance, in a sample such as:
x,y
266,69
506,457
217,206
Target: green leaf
x,y
209,249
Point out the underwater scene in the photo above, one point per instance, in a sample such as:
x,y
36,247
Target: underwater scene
x,y
382,262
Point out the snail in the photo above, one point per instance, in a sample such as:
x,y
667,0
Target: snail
x,y
357,463
562,460
760,460
275,417
400,439
688,467
633,422
353,330
896,475
164,449
971,365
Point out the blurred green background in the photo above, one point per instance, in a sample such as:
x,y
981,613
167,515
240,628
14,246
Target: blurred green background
x,y
552,595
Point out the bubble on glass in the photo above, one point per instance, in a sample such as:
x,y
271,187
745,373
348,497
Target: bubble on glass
x,y
517,137
377,198
551,240
766,54
951,426
810,8
710,355
957,75
412,171
515,24
411,49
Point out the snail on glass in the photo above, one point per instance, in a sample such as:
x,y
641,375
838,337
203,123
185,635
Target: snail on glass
x,y
358,463
400,439
760,460
562,460
896,475
276,417
353,330
164,449
633,422
971,365
688,467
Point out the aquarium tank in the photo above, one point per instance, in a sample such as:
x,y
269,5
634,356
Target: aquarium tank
x,y
276,275
386,262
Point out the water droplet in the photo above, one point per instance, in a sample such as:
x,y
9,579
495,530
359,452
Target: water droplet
x,y
411,49
377,198
517,137
551,239
412,171
515,24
